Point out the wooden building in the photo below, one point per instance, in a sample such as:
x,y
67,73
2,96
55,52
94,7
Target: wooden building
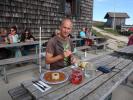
x,y
45,13
115,19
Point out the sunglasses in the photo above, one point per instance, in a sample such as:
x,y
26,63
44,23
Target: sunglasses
x,y
12,30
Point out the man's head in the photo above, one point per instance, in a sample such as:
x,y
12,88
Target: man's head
x,y
65,28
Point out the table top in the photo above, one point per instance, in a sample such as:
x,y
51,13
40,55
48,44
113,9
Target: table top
x,y
97,87
126,49
20,44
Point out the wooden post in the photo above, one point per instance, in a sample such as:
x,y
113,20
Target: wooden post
x,y
40,45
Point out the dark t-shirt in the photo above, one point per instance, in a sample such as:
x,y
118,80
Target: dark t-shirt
x,y
55,46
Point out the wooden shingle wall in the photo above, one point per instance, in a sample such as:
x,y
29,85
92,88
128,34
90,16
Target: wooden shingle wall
x,y
44,13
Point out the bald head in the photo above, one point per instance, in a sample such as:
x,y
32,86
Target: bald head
x,y
65,27
67,20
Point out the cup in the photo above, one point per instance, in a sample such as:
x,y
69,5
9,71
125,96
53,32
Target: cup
x,y
86,67
76,76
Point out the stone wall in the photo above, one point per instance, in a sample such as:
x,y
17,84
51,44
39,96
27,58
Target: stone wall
x,y
44,13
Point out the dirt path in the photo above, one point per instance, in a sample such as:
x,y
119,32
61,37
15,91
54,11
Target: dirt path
x,y
114,42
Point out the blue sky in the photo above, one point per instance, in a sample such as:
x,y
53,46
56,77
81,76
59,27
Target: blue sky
x,y
101,7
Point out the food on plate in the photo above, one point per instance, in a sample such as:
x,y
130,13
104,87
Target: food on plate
x,y
54,76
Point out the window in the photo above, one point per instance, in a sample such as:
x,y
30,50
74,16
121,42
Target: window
x,y
70,7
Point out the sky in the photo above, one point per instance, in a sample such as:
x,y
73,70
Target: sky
x,y
101,7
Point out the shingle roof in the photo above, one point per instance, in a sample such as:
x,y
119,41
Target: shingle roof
x,y
116,14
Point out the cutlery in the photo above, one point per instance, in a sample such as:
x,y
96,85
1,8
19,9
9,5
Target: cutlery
x,y
39,85
39,82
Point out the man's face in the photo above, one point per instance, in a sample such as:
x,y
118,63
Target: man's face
x,y
65,29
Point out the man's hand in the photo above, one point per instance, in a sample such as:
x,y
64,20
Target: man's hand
x,y
67,53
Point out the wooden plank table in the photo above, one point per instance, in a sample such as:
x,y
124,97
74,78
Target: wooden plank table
x,y
20,44
8,61
127,50
97,87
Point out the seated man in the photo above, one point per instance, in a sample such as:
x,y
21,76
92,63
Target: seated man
x,y
59,48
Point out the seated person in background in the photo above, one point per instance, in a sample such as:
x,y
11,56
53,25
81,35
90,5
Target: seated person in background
x,y
130,40
59,48
4,52
14,38
27,37
82,35
88,41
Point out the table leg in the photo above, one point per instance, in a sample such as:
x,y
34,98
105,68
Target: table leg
x,y
5,74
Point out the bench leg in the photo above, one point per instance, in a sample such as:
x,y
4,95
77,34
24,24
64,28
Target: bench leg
x,y
5,74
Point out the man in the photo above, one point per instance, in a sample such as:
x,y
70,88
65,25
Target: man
x,y
59,48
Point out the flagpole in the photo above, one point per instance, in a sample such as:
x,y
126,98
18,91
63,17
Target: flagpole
x,y
40,43
114,18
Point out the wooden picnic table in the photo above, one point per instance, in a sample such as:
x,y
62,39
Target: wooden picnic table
x,y
20,44
4,63
126,50
97,87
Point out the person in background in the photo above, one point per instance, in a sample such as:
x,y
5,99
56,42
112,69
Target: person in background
x,y
56,33
83,36
88,40
27,37
14,38
59,48
4,52
130,40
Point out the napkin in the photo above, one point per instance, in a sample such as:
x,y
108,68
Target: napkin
x,y
41,86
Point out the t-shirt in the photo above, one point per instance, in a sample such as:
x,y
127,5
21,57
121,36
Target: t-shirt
x,y
82,34
14,38
56,46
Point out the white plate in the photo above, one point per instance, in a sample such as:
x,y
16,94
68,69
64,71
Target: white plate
x,y
45,81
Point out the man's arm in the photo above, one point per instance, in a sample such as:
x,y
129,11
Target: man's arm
x,y
50,59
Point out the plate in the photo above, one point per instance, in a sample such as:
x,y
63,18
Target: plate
x,y
54,77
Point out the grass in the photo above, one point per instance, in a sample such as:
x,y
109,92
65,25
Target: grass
x,y
101,26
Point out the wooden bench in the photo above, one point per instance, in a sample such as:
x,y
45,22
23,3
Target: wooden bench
x,y
98,45
6,62
19,93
